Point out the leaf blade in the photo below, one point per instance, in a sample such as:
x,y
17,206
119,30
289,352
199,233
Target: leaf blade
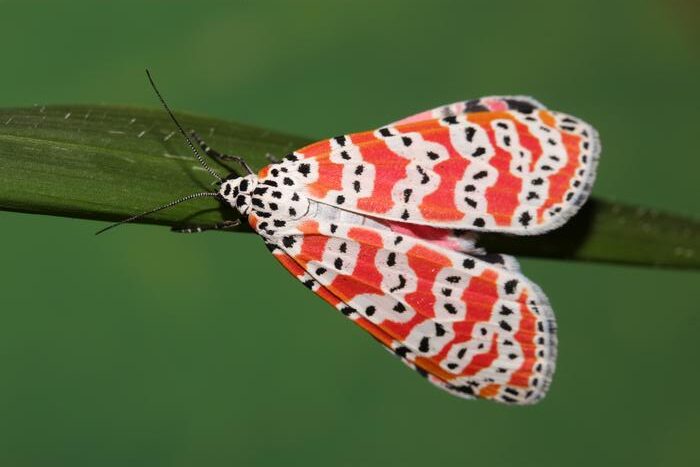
x,y
109,162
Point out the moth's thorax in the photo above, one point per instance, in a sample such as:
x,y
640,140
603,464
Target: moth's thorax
x,y
275,205
238,192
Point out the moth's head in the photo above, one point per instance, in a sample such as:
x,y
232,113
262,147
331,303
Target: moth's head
x,y
237,191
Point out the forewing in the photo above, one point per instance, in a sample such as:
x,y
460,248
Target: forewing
x,y
473,328
521,169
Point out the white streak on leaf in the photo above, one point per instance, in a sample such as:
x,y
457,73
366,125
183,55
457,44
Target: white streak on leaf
x,y
174,156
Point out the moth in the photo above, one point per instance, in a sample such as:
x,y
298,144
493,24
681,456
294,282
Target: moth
x,y
383,225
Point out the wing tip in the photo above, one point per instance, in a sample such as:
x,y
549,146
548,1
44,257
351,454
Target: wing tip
x,y
539,381
579,194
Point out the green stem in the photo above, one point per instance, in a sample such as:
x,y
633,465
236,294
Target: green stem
x,y
107,163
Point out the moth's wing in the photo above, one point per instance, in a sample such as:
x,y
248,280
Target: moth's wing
x,y
473,328
524,104
524,170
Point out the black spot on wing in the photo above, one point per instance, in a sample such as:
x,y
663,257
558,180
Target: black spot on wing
x,y
401,284
505,311
348,311
439,330
450,308
493,258
468,390
474,106
469,132
480,151
304,169
520,106
424,345
424,176
525,219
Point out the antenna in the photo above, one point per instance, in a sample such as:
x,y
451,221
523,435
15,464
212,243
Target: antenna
x,y
179,127
159,208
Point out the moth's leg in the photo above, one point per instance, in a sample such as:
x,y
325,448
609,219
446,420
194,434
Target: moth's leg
x,y
203,228
214,154
272,159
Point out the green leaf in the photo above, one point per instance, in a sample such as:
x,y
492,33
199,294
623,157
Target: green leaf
x,y
108,163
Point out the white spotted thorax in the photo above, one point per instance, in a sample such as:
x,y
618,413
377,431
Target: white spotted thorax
x,y
278,206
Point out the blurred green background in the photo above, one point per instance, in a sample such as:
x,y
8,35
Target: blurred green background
x,y
147,348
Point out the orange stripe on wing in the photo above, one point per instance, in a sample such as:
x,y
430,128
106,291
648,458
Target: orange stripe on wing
x,y
483,360
330,174
389,168
440,204
560,181
480,297
502,196
426,264
313,245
